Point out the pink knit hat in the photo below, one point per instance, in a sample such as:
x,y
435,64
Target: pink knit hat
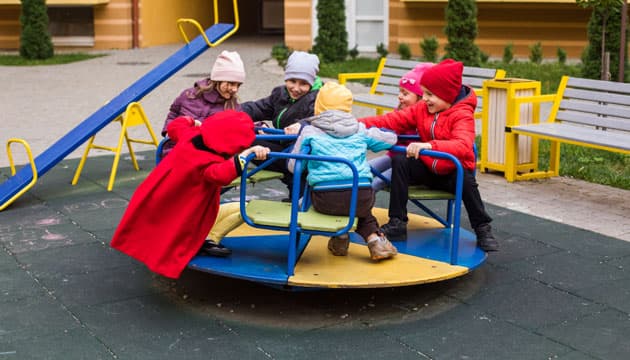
x,y
228,67
411,80
444,79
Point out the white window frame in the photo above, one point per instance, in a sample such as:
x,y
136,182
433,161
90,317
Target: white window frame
x,y
351,21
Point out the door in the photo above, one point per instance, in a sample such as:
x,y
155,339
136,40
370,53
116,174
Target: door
x,y
366,23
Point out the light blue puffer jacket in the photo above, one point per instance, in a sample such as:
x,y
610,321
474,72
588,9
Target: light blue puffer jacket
x,y
337,133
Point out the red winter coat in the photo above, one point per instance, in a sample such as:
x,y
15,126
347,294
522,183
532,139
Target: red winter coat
x,y
451,131
174,208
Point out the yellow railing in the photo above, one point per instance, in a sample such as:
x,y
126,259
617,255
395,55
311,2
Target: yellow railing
x,y
13,172
181,22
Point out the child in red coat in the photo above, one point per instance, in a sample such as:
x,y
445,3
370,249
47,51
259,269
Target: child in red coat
x,y
445,122
174,208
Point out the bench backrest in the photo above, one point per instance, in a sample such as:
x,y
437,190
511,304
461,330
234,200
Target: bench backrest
x,y
392,70
598,103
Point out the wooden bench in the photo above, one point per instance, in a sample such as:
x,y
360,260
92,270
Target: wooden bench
x,y
590,113
383,94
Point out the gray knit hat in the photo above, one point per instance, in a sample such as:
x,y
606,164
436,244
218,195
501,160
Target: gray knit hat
x,y
302,65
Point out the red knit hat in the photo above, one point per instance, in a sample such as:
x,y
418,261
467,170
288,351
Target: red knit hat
x,y
444,79
411,80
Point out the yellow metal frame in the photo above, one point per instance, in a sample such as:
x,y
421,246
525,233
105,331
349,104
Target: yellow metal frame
x,y
512,117
512,172
134,116
31,161
181,22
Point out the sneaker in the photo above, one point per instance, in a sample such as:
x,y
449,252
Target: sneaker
x,y
338,245
380,248
395,229
211,248
485,239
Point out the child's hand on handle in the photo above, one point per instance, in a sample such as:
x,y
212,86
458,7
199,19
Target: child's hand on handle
x,y
260,151
413,149
292,129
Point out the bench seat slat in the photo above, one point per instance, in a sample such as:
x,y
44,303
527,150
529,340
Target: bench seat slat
x,y
593,120
388,89
598,85
388,102
567,132
596,108
593,96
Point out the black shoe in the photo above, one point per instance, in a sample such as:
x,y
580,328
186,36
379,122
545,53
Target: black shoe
x,y
395,229
211,248
485,239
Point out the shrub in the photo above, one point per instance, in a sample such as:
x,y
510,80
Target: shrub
x,y
429,47
405,51
508,53
331,43
35,42
280,52
536,53
562,56
461,31
381,49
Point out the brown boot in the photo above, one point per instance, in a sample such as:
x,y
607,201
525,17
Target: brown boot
x,y
338,245
381,248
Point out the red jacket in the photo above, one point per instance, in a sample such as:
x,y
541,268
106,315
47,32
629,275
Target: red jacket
x,y
174,208
451,131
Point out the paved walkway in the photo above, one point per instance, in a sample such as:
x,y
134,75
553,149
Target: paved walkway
x,y
558,289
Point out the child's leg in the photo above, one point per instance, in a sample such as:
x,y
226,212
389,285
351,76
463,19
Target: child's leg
x,y
383,165
228,219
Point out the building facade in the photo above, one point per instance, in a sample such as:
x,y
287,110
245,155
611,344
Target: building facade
x,y
123,24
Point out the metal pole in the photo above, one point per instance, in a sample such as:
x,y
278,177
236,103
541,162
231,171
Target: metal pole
x,y
622,46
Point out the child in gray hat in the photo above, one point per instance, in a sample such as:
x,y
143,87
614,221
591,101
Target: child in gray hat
x,y
288,103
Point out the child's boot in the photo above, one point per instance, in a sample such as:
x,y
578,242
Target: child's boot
x,y
380,248
395,229
338,245
211,248
485,239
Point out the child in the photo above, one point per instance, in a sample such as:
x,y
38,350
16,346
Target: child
x,y
172,211
288,103
333,131
445,122
409,94
209,96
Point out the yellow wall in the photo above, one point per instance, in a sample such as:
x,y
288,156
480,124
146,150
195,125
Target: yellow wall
x,y
560,23
9,27
297,24
112,25
553,24
158,19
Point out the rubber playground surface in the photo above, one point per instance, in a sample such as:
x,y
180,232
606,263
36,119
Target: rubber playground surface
x,y
552,292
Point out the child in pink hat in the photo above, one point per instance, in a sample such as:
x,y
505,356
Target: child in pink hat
x,y
410,93
210,95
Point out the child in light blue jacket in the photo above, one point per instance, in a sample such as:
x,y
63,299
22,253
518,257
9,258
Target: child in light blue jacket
x,y
333,131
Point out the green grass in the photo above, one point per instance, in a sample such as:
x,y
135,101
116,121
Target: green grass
x,y
16,60
592,165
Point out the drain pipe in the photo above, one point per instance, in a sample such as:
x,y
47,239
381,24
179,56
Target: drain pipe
x,y
135,24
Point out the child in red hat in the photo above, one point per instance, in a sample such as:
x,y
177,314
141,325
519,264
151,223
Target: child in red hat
x,y
445,122
173,209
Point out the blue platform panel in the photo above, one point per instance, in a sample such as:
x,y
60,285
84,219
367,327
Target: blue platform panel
x,y
95,122
256,258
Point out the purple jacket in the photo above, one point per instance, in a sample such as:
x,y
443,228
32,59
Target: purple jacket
x,y
209,103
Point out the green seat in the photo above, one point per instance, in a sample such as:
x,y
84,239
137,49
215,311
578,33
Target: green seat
x,y
275,213
421,192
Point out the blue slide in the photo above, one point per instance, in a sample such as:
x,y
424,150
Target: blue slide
x,y
90,126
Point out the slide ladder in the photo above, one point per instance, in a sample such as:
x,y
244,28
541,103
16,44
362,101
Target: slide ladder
x,y
23,179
